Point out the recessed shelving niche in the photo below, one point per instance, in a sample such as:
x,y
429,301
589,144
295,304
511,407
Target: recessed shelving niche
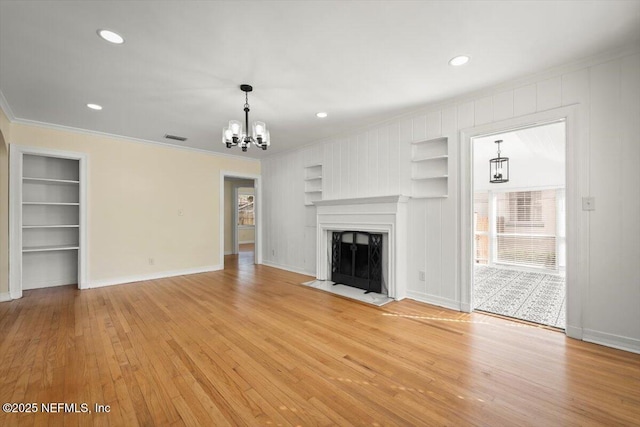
x,y
312,183
47,225
430,168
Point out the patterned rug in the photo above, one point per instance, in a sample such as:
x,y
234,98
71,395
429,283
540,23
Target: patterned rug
x,y
535,297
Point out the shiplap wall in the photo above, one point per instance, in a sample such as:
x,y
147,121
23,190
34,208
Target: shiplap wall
x,y
376,162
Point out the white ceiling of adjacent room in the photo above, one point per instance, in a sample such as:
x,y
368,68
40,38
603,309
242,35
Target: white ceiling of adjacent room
x,y
179,69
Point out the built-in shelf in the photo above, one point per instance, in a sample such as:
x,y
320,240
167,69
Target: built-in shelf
x,y
50,248
312,183
430,168
426,159
423,178
48,218
52,226
49,181
51,204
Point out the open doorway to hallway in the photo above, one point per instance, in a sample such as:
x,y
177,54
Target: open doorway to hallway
x,y
519,225
240,221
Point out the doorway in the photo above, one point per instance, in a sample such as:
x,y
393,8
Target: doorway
x,y
519,224
240,223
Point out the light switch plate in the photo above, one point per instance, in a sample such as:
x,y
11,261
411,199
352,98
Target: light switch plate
x,y
588,204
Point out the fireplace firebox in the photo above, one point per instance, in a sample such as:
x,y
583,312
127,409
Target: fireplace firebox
x,y
357,260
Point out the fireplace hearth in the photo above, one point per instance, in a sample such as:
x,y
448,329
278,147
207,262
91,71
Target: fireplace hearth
x,y
357,260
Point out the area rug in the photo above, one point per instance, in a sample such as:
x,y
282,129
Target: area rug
x,y
535,297
349,292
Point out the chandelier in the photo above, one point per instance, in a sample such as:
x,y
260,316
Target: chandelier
x,y
235,135
499,168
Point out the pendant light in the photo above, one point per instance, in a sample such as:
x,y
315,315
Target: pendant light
x,y
499,168
234,134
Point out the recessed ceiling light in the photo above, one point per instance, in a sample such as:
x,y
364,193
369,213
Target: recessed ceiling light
x,y
459,60
321,114
95,106
111,37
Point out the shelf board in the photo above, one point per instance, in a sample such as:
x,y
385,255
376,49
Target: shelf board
x,y
50,248
430,141
52,226
51,203
313,178
49,181
313,191
424,159
313,165
424,178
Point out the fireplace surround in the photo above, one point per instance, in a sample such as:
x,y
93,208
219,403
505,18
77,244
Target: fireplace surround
x,y
386,215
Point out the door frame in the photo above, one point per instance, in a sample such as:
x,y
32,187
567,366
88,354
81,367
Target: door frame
x,y
577,221
257,185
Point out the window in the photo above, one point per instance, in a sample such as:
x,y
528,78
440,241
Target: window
x,y
519,228
245,209
525,206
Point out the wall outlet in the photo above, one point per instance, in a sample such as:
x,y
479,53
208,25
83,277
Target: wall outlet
x,y
273,252
152,261
421,276
180,212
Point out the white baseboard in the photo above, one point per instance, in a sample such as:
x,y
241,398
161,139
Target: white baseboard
x,y
612,340
573,332
434,300
5,296
228,253
288,268
152,276
241,242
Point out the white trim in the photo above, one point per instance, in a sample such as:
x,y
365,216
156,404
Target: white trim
x,y
257,186
288,268
611,340
434,300
151,276
515,83
234,222
574,332
16,152
242,242
5,296
577,222
57,127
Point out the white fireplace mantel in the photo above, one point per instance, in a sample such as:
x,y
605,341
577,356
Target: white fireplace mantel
x,y
385,214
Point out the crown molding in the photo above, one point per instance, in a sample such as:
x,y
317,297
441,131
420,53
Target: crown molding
x,y
4,105
15,120
576,65
52,126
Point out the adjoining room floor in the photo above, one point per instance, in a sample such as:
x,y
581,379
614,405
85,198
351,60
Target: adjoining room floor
x,y
535,297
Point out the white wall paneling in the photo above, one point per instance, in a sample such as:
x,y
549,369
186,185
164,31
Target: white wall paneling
x,y
377,161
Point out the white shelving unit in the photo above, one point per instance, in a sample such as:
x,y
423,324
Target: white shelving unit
x,y
430,168
312,184
47,218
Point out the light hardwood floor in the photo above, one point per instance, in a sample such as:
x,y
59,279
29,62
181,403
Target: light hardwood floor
x,y
250,346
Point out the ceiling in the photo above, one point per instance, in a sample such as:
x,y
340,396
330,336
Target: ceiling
x,y
181,65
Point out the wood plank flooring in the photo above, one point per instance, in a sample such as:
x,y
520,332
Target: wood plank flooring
x,y
250,346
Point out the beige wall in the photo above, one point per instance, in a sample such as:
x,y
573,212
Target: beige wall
x,y
135,194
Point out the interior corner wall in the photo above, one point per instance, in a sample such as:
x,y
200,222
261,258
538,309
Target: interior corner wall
x,y
4,216
376,162
145,202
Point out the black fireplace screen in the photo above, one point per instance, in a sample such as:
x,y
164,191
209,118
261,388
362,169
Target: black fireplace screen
x,y
356,260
